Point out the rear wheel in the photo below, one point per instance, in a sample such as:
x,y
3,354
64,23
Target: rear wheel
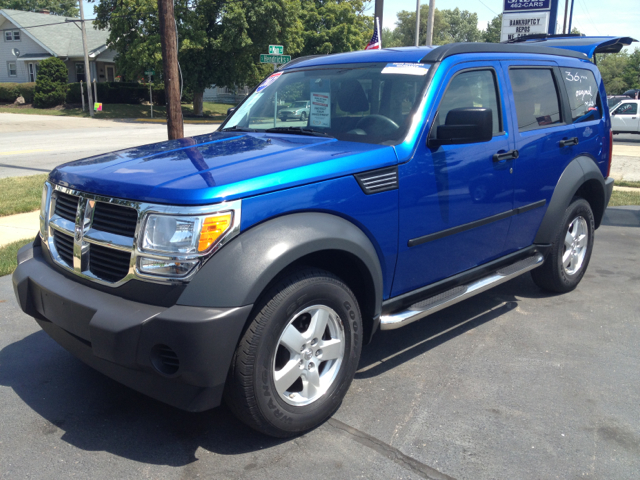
x,y
570,251
298,357
303,116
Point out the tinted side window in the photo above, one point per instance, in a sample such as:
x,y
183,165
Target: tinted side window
x,y
627,109
584,98
475,88
536,98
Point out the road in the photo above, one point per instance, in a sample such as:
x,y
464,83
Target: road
x,y
31,144
513,384
626,139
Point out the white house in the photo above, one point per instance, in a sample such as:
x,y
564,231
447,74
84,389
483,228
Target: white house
x,y
28,38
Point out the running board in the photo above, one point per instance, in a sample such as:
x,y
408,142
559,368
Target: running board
x,y
457,294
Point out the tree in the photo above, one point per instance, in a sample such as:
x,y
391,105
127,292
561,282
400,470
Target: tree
x,y
390,38
575,31
51,83
67,8
332,26
406,26
219,41
612,68
494,28
448,26
462,27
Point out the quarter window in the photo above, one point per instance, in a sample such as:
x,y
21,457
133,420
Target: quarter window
x,y
584,97
627,109
536,98
471,89
13,71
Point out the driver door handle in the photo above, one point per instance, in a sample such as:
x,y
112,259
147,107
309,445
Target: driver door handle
x,y
510,155
568,142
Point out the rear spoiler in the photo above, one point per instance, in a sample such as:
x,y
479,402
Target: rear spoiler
x,y
587,45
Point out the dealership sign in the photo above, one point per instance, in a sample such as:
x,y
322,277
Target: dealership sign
x,y
516,25
526,5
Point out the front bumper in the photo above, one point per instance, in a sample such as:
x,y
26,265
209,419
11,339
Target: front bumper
x,y
126,340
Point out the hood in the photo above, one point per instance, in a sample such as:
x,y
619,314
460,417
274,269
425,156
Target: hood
x,y
219,166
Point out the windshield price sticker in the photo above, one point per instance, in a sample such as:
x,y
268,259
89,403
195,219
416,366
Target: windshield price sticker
x,y
419,69
320,109
268,81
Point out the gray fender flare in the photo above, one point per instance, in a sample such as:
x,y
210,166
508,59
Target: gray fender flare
x,y
581,171
237,274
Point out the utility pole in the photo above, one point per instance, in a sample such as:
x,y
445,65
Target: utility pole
x,y
566,11
87,72
168,40
379,10
417,23
432,11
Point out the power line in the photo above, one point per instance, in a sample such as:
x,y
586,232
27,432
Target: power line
x,y
589,16
496,13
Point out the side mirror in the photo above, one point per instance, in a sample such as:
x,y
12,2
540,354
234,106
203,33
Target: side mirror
x,y
231,110
464,125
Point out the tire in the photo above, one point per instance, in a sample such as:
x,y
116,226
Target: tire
x,y
288,374
571,250
303,117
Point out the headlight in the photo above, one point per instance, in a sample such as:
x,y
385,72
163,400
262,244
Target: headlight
x,y
184,235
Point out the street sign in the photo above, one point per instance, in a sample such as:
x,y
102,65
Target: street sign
x,y
276,50
150,72
275,58
516,25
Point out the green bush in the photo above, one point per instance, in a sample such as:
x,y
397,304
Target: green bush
x,y
51,83
10,91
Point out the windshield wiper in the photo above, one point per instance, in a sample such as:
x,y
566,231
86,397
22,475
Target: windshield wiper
x,y
236,128
298,131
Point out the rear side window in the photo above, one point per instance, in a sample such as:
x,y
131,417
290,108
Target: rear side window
x,y
584,97
536,98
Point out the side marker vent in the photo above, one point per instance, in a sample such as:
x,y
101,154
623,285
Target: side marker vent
x,y
376,181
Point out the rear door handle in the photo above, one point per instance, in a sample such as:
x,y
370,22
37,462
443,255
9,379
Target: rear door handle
x,y
510,155
568,142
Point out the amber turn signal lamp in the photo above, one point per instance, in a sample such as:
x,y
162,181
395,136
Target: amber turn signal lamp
x,y
212,229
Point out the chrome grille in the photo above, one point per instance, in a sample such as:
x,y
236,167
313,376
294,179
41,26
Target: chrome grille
x,y
115,219
64,246
66,206
107,263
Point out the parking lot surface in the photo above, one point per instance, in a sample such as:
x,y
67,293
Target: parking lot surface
x,y
512,384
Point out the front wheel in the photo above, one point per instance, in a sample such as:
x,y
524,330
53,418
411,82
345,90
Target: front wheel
x,y
295,362
303,117
570,251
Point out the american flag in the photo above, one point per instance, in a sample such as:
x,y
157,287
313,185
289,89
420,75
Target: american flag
x,y
374,43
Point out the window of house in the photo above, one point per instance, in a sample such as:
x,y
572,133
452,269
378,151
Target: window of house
x,y
12,36
584,97
80,72
11,67
536,98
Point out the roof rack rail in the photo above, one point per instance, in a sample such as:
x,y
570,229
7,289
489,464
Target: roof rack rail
x,y
542,36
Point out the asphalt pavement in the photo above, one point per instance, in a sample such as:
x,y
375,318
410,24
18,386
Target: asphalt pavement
x,y
31,144
511,384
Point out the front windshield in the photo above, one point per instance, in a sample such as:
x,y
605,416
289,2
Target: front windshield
x,y
371,103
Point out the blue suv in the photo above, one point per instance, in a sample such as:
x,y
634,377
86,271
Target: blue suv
x,y
253,263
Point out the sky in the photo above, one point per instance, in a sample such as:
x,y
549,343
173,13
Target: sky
x,y
591,17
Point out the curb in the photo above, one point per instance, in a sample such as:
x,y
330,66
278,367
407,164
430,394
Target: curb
x,y
164,120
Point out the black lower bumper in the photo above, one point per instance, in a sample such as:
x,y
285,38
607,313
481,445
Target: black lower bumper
x,y
179,355
608,189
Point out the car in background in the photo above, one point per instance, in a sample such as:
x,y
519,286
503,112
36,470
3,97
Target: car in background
x,y
625,118
614,100
298,111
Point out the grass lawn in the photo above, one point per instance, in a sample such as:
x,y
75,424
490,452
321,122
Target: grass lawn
x,y
8,253
20,194
619,198
212,111
624,183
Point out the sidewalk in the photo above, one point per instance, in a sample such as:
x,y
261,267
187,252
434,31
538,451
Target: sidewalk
x,y
18,227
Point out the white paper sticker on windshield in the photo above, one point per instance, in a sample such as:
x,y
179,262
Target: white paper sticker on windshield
x,y
419,69
320,115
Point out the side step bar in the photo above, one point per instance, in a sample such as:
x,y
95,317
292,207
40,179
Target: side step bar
x,y
457,294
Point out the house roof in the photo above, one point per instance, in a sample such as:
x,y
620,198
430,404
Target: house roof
x,y
56,35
